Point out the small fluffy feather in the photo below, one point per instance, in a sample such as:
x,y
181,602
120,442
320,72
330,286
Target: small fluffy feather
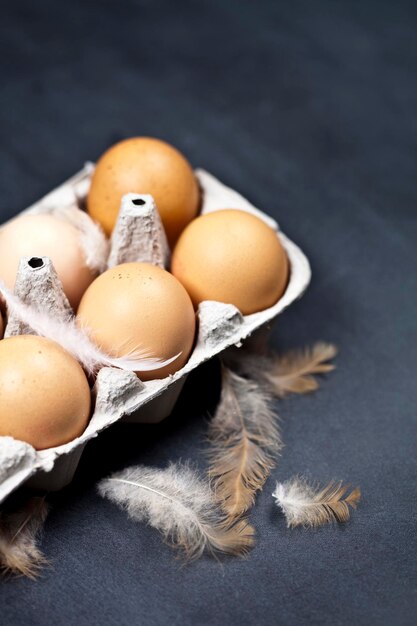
x,y
76,340
305,505
245,439
292,372
19,532
178,503
93,241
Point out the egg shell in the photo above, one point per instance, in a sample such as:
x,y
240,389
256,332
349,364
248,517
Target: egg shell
x,y
144,165
231,256
137,306
50,236
45,397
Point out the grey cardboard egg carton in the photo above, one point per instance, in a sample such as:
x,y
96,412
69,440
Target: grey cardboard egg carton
x,y
120,395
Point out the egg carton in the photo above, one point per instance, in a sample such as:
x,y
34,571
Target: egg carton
x,y
120,395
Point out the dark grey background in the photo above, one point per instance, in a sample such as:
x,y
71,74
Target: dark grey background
x,y
309,109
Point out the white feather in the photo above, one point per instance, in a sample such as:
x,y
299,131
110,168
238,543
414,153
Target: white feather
x,y
93,241
180,505
76,340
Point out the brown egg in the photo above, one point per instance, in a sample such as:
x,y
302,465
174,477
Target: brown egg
x,y
234,257
1,326
45,397
138,305
144,165
45,235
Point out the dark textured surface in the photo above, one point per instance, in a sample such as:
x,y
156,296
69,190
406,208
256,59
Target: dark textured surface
x,y
308,108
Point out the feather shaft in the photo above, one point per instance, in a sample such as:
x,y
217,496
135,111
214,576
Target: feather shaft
x,y
142,486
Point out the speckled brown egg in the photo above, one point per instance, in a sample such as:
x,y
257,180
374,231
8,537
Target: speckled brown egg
x,y
45,397
137,306
45,235
144,165
234,257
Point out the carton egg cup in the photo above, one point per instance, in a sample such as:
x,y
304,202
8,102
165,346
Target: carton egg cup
x,y
120,395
